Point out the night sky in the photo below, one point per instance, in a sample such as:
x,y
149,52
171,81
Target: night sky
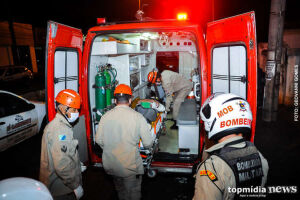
x,y
83,14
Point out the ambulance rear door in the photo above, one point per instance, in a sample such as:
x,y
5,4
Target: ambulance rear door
x,y
63,67
231,51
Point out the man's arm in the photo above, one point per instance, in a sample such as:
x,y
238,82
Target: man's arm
x,y
99,134
63,149
169,92
145,133
207,185
169,99
265,167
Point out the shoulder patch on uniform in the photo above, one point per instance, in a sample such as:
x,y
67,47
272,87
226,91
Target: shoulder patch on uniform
x,y
208,173
62,137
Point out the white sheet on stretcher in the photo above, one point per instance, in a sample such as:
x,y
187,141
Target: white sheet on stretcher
x,y
155,129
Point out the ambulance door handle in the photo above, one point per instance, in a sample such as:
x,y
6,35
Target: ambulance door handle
x,y
195,90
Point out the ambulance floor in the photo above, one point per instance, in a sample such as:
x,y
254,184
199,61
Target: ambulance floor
x,y
169,142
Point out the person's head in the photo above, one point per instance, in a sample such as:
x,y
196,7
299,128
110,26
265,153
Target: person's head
x,y
68,103
226,114
154,77
23,188
123,94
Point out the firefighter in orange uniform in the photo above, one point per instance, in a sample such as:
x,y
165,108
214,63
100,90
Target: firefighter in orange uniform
x,y
118,134
60,168
233,162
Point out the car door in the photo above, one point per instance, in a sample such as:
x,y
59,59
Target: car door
x,y
63,66
231,51
18,120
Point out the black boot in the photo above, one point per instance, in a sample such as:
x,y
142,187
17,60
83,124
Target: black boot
x,y
174,126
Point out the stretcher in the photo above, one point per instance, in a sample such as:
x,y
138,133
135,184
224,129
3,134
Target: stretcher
x,y
157,128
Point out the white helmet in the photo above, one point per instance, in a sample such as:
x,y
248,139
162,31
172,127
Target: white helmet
x,y
225,114
23,188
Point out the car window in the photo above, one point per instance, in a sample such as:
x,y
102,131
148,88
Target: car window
x,y
10,104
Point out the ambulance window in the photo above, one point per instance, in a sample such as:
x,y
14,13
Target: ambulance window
x,y
229,70
65,70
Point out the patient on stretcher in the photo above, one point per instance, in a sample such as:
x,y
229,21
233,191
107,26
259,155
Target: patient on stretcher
x,y
154,113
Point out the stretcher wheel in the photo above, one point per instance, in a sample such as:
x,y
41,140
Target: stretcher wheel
x,y
151,173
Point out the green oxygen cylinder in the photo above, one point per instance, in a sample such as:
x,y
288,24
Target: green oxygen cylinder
x,y
100,84
113,71
108,88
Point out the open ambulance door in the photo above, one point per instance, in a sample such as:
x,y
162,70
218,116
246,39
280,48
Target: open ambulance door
x,y
63,66
231,52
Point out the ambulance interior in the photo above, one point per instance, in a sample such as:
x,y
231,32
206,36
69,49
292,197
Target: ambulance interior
x,y
130,57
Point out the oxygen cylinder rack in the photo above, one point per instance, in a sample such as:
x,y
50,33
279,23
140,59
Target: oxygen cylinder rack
x,y
104,88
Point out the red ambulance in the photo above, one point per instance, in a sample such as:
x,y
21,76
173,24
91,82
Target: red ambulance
x,y
221,59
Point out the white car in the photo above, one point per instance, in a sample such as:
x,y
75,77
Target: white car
x,y
20,119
